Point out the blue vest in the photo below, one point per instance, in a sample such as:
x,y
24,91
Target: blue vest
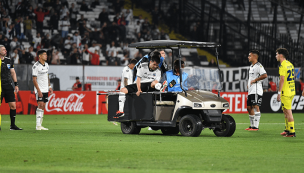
x,y
171,76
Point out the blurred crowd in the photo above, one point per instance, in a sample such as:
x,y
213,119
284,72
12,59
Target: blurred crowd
x,y
69,37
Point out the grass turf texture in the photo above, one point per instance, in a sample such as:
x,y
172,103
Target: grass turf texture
x,y
89,143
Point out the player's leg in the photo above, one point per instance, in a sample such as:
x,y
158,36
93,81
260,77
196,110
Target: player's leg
x,y
11,100
257,113
40,112
250,112
286,102
121,102
285,132
256,118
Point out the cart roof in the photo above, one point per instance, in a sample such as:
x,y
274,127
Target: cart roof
x,y
165,44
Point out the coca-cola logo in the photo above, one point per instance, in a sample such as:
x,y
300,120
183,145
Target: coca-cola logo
x,y
70,104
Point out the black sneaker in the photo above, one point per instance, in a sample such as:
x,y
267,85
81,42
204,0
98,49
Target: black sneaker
x,y
15,128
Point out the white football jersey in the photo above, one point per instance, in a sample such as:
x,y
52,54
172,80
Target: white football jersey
x,y
41,72
126,73
256,71
144,73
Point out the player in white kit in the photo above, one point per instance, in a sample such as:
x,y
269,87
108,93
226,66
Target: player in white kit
x,y
148,75
42,86
127,74
255,90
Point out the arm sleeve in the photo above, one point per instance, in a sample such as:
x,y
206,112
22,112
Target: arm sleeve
x,y
262,70
34,70
158,76
282,71
164,77
12,64
139,72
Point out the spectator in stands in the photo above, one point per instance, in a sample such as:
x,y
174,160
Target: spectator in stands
x,y
95,57
113,31
128,16
37,41
40,18
122,31
74,56
15,44
272,86
86,57
95,3
164,36
54,22
6,44
10,31
116,18
19,27
103,17
55,59
112,60
86,38
77,39
155,33
1,37
81,24
84,6
14,56
30,13
240,3
121,19
112,48
46,42
212,63
77,85
64,11
137,27
31,51
57,6
145,26
73,16
27,57
5,18
28,28
140,19
155,16
65,24
117,5
67,45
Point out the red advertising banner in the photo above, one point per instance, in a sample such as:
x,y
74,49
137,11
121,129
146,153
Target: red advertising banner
x,y
87,102
237,101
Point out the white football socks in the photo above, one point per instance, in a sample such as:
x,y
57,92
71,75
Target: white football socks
x,y
39,116
251,119
257,117
121,101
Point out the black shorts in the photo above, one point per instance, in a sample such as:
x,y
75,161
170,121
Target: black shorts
x,y
254,99
145,87
44,98
8,93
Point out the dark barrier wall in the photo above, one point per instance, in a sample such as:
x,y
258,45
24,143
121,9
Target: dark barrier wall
x,y
271,105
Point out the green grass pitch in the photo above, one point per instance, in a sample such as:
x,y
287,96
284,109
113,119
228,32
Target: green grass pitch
x,y
89,143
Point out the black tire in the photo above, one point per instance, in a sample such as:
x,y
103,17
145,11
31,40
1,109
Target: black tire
x,y
227,127
170,130
190,125
129,127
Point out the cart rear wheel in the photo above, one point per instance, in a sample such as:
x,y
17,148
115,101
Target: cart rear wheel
x,y
129,127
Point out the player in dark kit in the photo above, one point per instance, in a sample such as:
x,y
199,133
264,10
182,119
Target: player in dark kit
x,y
8,72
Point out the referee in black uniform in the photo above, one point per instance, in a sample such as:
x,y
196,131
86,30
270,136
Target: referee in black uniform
x,y
8,71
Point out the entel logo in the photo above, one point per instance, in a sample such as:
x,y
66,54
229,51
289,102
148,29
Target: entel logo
x,y
274,104
70,104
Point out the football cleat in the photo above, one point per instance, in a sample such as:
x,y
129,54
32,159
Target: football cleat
x,y
41,128
290,135
284,133
15,128
248,128
119,114
253,129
